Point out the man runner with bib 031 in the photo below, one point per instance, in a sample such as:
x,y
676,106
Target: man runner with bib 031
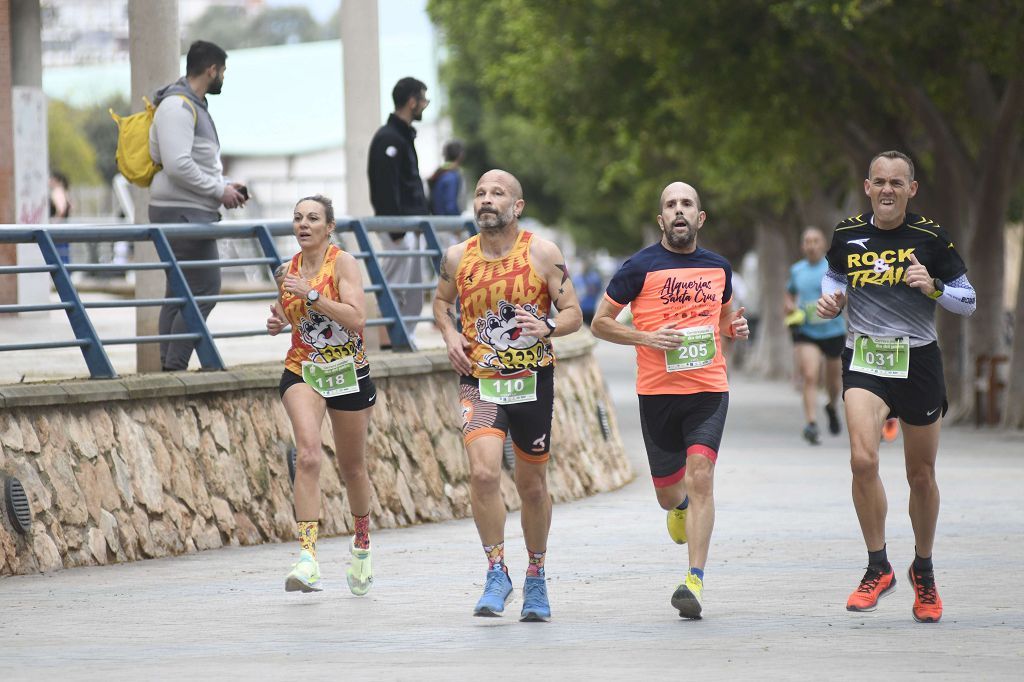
x,y
321,296
892,267
680,296
508,283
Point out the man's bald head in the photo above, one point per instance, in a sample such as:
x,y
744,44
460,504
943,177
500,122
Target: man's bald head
x,y
677,189
504,178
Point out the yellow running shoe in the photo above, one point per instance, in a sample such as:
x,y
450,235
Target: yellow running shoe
x,y
360,574
676,521
305,575
688,597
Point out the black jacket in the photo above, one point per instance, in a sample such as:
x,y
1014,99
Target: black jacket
x,y
393,167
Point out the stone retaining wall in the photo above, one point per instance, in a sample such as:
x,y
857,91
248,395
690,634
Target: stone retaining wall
x,y
157,465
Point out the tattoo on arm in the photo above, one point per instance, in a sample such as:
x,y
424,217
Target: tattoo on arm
x,y
281,271
451,316
565,271
444,268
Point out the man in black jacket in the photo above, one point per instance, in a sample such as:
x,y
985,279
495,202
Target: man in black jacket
x,y
396,188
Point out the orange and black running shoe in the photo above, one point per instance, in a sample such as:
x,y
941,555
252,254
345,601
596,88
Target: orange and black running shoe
x,y
873,586
927,605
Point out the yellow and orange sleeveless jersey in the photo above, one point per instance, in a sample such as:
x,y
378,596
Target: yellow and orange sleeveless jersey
x,y
662,286
488,292
316,337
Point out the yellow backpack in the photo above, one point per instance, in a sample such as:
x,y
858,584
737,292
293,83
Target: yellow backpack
x,y
133,159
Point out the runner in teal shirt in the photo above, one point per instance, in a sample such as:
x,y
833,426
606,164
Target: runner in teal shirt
x,y
815,340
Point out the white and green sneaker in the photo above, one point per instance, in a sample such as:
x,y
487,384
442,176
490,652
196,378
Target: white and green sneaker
x,y
360,573
689,596
305,575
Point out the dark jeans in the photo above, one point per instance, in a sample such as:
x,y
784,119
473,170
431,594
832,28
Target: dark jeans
x,y
174,355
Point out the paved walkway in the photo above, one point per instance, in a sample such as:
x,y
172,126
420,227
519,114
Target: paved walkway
x,y
785,554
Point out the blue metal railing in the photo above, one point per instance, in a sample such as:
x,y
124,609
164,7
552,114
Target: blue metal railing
x,y
93,347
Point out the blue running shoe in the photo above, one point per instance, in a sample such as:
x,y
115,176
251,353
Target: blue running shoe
x,y
535,600
497,592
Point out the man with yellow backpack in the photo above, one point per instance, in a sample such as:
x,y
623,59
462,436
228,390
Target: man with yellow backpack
x,y
189,184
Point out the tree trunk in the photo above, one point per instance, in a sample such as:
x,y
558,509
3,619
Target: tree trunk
x,y
1013,415
772,356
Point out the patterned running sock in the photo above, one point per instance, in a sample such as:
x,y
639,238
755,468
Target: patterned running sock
x,y
922,564
536,567
362,538
699,572
685,503
307,536
879,560
495,556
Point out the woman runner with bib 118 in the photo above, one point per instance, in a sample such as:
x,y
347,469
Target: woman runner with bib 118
x,y
326,371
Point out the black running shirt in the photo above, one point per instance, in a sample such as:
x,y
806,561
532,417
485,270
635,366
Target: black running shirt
x,y
875,261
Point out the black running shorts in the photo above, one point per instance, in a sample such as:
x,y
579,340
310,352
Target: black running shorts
x,y
832,346
920,399
528,423
353,402
676,426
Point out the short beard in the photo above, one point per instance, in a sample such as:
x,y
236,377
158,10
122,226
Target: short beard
x,y
502,221
680,242
215,87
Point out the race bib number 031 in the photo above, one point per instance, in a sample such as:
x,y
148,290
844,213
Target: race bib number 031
x,y
697,350
509,391
883,357
331,379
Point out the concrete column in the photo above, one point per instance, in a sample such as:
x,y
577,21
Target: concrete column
x,y
361,70
31,164
8,283
155,53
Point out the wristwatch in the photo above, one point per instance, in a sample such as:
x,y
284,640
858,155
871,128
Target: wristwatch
x,y
551,326
939,288
312,296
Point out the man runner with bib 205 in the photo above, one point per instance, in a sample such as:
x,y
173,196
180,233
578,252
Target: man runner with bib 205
x,y
890,268
679,295
508,283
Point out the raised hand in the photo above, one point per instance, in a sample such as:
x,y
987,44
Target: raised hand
x,y
917,277
740,329
830,305
275,323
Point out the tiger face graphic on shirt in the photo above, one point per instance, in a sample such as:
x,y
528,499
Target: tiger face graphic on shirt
x,y
316,337
489,290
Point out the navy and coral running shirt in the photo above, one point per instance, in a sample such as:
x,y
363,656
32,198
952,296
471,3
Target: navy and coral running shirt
x,y
662,286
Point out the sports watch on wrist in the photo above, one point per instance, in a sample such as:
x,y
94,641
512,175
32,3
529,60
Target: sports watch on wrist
x,y
312,296
551,326
939,288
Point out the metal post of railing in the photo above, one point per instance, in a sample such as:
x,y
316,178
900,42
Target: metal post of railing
x,y
209,356
269,249
430,236
385,298
92,350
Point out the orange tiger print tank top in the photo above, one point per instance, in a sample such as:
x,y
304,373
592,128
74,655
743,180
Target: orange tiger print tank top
x,y
488,292
316,337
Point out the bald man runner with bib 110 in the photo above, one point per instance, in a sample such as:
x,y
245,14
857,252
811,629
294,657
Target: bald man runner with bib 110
x,y
679,295
508,282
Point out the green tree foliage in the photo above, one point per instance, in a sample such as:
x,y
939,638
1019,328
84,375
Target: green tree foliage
x,y
70,150
231,27
101,131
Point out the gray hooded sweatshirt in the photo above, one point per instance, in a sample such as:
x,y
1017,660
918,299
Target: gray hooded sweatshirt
x,y
187,147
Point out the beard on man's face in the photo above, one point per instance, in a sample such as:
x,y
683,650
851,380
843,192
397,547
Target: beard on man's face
x,y
680,240
490,219
215,86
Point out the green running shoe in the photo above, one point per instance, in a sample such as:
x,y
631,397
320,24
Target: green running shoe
x,y
360,573
305,575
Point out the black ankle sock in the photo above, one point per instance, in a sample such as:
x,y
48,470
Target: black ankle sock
x,y
685,503
879,560
922,565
